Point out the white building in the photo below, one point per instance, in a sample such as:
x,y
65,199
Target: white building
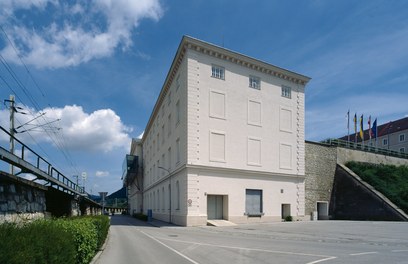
x,y
225,140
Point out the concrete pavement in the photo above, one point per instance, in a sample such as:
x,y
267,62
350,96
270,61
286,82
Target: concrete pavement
x,y
134,241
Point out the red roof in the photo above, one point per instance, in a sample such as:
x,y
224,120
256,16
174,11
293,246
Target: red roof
x,y
382,130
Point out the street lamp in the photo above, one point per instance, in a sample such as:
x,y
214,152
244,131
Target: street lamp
x,y
168,171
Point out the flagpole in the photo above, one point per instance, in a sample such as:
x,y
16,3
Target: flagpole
x,y
348,128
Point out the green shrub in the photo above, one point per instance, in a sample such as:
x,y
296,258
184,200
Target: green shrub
x,y
288,218
140,216
66,240
37,242
101,223
85,237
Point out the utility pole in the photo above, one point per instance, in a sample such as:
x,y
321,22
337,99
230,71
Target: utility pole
x,y
12,110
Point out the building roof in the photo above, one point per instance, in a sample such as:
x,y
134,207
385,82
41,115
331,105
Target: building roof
x,y
188,42
390,127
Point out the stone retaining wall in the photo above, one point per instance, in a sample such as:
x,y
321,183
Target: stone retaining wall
x,y
20,199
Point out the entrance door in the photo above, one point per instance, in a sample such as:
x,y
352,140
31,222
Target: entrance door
x,y
285,212
214,207
322,210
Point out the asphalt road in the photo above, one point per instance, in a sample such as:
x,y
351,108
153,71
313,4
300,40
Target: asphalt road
x,y
133,241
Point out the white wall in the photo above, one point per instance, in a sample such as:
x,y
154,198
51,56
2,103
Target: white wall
x,y
272,134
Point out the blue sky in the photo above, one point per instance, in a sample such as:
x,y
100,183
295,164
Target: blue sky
x,y
98,66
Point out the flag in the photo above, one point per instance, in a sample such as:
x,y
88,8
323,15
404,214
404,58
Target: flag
x,y
348,119
374,130
369,127
355,123
361,127
355,127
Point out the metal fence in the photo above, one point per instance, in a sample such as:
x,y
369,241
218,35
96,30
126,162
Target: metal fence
x,y
366,148
31,162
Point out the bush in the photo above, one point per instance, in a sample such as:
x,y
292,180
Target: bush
x,y
288,218
101,223
38,242
67,240
85,237
140,216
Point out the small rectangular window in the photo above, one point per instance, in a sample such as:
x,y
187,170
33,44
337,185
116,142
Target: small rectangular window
x,y
169,126
162,134
253,202
177,112
169,98
254,82
401,137
385,142
402,150
178,82
218,72
286,92
178,151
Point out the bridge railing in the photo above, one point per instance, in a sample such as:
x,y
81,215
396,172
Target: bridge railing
x,y
30,156
363,147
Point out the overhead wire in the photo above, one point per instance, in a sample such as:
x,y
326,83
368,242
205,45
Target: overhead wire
x,y
57,139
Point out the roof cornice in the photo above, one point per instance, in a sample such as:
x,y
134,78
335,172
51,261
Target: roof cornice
x,y
243,60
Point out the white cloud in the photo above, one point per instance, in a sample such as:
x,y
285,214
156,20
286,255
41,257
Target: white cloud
x,y
64,42
101,130
102,173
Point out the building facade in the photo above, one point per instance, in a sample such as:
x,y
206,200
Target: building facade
x,y
225,140
391,136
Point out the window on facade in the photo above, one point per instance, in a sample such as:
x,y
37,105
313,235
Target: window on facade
x,y
178,82
218,72
169,98
177,195
169,159
163,198
158,200
385,142
402,150
158,170
154,172
177,112
402,137
163,162
154,200
255,82
162,134
286,92
169,199
253,202
178,151
169,126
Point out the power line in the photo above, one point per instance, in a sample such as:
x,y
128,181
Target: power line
x,y
56,138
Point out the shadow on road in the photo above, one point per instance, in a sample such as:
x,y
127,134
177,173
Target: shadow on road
x,y
126,220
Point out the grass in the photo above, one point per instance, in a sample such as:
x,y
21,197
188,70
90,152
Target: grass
x,y
390,180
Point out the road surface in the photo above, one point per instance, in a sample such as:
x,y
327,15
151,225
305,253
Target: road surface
x,y
133,241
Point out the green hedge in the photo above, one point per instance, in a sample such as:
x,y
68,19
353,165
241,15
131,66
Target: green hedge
x,y
69,240
140,216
